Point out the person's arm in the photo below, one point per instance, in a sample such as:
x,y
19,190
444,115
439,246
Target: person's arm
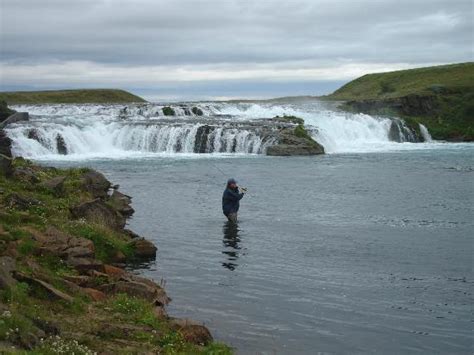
x,y
234,195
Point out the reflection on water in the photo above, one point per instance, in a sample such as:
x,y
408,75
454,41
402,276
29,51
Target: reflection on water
x,y
232,247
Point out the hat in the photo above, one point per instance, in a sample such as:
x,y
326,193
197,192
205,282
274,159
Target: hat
x,y
231,181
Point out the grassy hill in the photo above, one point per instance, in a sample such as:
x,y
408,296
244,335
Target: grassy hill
x,y
440,97
424,81
79,96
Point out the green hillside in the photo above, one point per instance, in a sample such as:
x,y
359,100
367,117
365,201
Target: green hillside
x,y
441,98
423,81
79,96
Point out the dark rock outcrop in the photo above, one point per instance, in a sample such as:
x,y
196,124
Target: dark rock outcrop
x,y
97,211
61,145
5,154
290,143
143,248
202,135
197,111
121,203
96,184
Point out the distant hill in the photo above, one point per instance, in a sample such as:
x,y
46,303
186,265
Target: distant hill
x,y
440,97
80,96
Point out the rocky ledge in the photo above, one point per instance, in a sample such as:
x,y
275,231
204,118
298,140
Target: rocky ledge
x,y
293,139
64,280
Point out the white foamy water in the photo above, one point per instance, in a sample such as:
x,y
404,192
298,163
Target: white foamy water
x,y
141,130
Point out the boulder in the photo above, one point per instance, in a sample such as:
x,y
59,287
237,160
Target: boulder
x,y
25,174
19,202
95,183
114,271
97,211
121,203
192,332
95,295
153,294
54,242
61,146
56,185
53,292
295,141
85,265
143,248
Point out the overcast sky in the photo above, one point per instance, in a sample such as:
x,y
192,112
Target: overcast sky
x,y
183,49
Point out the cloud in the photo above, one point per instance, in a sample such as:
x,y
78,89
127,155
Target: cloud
x,y
138,43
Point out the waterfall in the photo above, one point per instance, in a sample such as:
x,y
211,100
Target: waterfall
x,y
64,131
425,134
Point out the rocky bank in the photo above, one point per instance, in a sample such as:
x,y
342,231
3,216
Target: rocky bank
x,y
64,286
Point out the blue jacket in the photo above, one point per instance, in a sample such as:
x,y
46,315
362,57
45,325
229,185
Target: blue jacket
x,y
230,200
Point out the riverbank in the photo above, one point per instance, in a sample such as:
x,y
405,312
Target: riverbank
x,y
441,98
63,283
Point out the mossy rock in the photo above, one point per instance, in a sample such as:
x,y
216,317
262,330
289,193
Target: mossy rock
x,y
197,111
168,111
290,119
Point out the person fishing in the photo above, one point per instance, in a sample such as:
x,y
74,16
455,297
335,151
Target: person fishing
x,y
231,200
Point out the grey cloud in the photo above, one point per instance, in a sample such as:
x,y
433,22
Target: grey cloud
x,y
241,33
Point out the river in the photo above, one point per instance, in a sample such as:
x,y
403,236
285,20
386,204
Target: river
x,y
367,249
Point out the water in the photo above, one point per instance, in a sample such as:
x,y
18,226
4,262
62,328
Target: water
x,y
78,132
343,253
351,252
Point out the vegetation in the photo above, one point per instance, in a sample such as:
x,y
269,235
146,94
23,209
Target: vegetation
x,y
5,111
45,308
79,96
421,81
168,111
441,98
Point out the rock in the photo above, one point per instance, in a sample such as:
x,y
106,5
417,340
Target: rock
x,y
154,295
5,154
113,271
14,117
143,248
202,136
81,281
49,327
54,242
131,234
95,183
192,332
95,295
160,312
197,111
61,145
84,265
56,185
7,267
295,141
19,202
118,258
25,174
97,211
53,292
121,203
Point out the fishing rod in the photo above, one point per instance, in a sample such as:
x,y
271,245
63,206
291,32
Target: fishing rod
x,y
244,189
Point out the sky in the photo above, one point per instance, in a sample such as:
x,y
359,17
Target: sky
x,y
223,49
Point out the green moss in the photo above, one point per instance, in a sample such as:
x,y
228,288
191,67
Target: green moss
x,y
5,111
290,119
69,96
168,111
301,132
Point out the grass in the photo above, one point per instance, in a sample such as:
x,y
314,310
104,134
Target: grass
x,y
168,111
86,326
79,96
426,81
445,92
